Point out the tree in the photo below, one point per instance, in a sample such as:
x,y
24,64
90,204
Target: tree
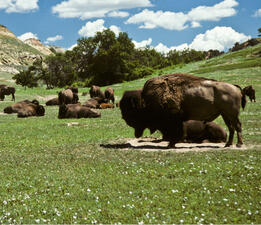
x,y
259,30
26,78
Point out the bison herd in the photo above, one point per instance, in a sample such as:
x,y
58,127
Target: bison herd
x,y
180,106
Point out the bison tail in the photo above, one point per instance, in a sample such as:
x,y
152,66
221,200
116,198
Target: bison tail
x,y
243,100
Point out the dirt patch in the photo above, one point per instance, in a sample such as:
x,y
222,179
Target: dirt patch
x,y
154,145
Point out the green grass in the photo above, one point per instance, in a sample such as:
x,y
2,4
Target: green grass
x,y
55,173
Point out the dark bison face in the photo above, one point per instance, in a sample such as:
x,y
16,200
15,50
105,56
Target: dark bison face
x,y
62,111
133,111
40,110
75,98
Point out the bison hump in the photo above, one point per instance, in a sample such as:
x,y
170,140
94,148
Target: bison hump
x,y
163,94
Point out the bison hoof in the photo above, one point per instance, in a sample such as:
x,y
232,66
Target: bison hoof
x,y
228,145
239,145
171,145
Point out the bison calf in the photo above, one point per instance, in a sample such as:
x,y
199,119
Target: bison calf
x,y
77,111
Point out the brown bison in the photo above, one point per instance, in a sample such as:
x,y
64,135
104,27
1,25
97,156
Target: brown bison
x,y
250,92
166,101
67,96
6,90
73,89
198,131
95,91
94,102
26,108
106,106
77,111
53,101
109,94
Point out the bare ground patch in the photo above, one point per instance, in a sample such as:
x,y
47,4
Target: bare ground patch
x,y
154,145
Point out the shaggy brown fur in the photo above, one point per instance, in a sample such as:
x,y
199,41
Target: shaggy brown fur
x,y
250,92
95,91
77,111
6,90
166,101
67,97
53,101
109,94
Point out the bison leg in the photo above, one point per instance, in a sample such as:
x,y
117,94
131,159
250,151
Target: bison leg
x,y
239,133
138,132
231,131
13,97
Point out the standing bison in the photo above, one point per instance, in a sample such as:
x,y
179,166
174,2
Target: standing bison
x,y
6,90
95,91
109,94
77,111
67,96
250,92
166,101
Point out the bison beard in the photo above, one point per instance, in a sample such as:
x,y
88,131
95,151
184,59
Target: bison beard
x,y
166,101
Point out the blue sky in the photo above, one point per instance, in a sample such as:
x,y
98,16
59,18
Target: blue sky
x,y
162,24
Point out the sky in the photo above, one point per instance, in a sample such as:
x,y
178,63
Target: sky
x,y
162,24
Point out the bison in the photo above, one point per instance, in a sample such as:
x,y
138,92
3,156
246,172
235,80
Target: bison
x,y
67,96
95,91
26,108
77,111
167,101
53,101
6,90
94,102
73,89
250,92
109,94
198,131
106,106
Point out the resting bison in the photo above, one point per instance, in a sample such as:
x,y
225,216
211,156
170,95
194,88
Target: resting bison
x,y
94,102
77,111
53,101
109,94
250,92
26,108
95,91
67,96
6,90
166,101
106,106
198,131
73,89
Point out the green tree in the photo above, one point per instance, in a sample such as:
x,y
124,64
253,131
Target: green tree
x,y
259,31
26,78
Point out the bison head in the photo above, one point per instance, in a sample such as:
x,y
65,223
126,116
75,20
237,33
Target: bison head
x,y
62,111
40,110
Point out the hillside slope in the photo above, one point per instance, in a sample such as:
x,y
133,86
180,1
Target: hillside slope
x,y
15,54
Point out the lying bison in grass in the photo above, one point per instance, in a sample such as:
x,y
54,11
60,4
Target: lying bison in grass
x,y
167,101
250,92
26,108
77,111
109,94
67,96
53,101
198,132
6,90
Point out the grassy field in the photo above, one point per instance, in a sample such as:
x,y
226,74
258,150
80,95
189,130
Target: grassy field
x,y
55,173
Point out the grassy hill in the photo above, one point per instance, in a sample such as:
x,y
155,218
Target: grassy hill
x,y
15,54
55,173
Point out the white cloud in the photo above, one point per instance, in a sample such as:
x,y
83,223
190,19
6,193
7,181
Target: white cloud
x,y
27,35
220,38
166,20
19,6
53,39
257,13
71,48
178,20
118,14
143,43
164,49
213,13
91,28
86,9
